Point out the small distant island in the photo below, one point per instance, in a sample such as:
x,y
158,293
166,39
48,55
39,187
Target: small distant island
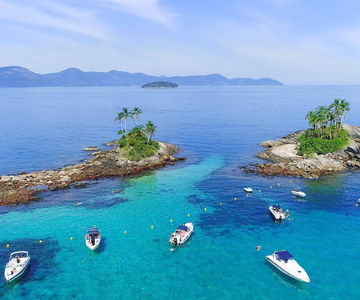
x,y
159,85
327,147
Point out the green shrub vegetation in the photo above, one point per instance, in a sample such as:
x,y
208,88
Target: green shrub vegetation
x,y
310,144
136,144
327,134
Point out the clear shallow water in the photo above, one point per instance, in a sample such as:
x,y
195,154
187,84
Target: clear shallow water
x,y
218,129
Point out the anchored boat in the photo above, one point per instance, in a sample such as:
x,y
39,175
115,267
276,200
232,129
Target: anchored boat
x,y
181,234
18,263
93,238
298,193
285,262
277,212
248,190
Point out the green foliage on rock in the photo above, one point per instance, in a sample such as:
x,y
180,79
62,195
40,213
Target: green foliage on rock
x,y
135,146
310,143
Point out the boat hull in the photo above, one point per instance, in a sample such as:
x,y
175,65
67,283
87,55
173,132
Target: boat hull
x,y
291,273
298,194
91,246
277,215
20,271
177,239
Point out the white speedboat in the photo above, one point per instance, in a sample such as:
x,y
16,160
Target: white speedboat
x,y
18,263
248,190
298,193
181,234
277,212
93,238
284,261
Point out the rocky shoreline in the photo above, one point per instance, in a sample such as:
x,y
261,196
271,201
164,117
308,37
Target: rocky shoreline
x,y
24,187
286,162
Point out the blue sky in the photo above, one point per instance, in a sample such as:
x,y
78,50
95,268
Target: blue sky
x,y
293,41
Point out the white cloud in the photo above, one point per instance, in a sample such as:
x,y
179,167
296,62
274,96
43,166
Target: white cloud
x,y
48,13
147,9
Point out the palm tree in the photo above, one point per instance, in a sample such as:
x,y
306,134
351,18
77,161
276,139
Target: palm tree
x,y
139,129
343,108
137,112
120,118
313,118
322,117
126,114
150,129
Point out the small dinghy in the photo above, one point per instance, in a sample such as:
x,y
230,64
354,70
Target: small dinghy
x,y
298,193
181,234
285,262
18,263
248,190
93,238
277,212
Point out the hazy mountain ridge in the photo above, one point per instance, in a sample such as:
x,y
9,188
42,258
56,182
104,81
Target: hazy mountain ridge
x,y
15,76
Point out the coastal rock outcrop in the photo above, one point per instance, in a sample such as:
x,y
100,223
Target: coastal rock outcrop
x,y
24,187
285,160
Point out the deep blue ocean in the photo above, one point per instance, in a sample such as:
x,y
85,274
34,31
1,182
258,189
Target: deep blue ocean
x,y
218,129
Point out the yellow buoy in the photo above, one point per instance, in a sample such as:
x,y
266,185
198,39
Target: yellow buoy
x,y
188,215
259,191
171,220
205,209
125,232
152,226
220,203
7,246
40,241
71,238
290,180
271,186
278,184
235,199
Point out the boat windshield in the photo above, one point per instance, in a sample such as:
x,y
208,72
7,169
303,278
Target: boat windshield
x,y
18,254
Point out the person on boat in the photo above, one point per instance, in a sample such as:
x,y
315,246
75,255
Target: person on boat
x,y
17,259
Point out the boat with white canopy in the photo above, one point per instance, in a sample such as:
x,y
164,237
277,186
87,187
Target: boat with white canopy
x,y
18,263
285,262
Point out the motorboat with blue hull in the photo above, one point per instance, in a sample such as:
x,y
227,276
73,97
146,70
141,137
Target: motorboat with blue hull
x,y
277,212
181,234
93,238
285,262
16,267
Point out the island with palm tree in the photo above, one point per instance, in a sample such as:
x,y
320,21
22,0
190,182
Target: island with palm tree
x,y
328,146
137,143
133,153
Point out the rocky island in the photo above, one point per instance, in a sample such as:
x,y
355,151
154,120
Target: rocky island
x,y
159,85
284,159
306,153
133,153
25,187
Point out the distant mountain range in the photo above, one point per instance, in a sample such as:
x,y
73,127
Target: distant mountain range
x,y
21,77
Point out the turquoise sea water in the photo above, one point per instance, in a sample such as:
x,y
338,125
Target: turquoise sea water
x,y
218,129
